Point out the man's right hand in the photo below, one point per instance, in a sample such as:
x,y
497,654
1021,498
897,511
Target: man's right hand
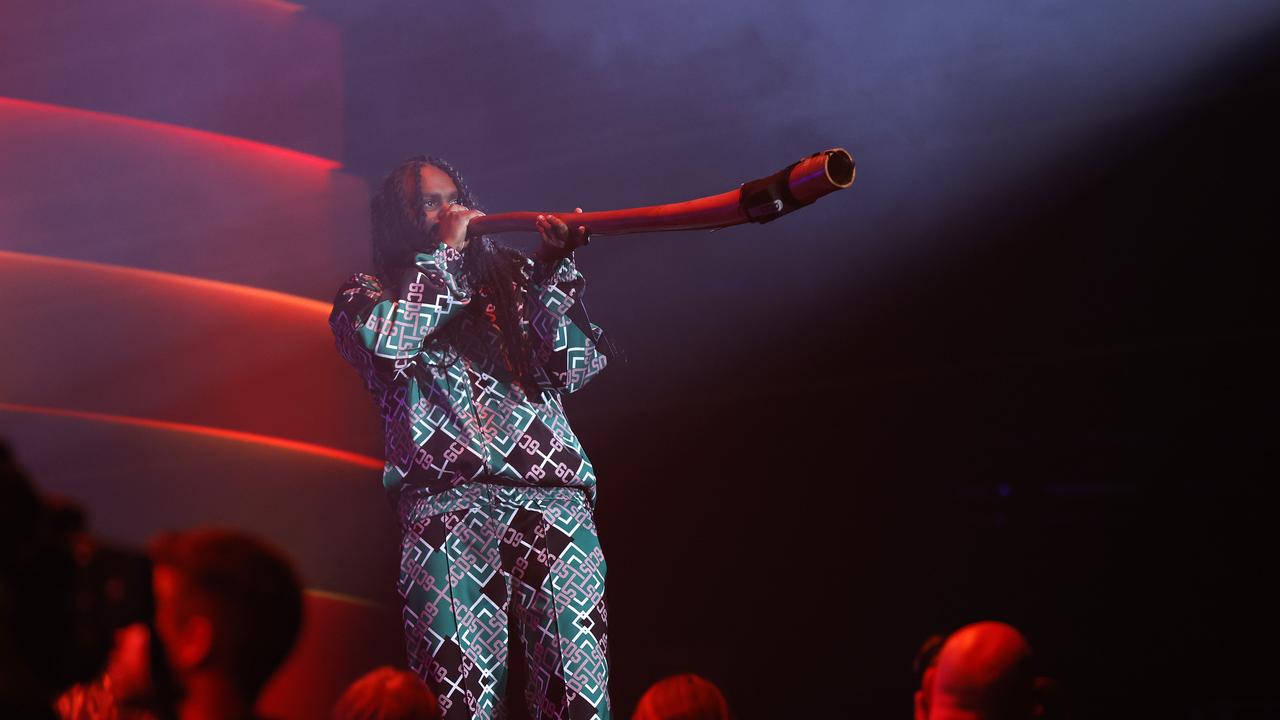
x,y
452,225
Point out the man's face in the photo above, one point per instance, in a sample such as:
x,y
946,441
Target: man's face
x,y
436,193
164,583
129,666
184,628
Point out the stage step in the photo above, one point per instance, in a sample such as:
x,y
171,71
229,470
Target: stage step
x,y
257,69
100,187
330,515
133,343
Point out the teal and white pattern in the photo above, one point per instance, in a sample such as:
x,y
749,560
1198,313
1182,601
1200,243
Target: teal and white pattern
x,y
452,411
481,558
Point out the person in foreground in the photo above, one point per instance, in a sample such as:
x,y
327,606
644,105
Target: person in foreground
x,y
387,694
227,612
467,347
682,697
982,672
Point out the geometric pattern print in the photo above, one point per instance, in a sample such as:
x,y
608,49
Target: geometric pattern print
x,y
451,411
484,558
569,356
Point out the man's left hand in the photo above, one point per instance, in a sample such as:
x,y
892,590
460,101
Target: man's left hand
x,y
558,240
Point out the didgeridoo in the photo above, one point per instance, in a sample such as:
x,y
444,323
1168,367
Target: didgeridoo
x,y
761,201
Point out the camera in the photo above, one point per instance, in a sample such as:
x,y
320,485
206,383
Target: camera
x,y
63,594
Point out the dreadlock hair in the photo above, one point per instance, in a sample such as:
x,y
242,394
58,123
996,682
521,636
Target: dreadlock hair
x,y
494,271
399,229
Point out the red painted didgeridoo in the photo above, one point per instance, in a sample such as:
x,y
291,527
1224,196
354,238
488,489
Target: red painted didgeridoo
x,y
761,201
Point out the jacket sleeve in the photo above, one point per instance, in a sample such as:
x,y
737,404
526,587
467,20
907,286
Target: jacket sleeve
x,y
386,327
566,351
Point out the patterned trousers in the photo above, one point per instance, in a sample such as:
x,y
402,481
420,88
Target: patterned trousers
x,y
480,558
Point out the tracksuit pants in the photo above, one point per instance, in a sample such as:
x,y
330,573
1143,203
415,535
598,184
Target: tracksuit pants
x,y
482,558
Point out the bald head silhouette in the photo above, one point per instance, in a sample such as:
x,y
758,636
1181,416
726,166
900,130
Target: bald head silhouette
x,y
983,672
682,697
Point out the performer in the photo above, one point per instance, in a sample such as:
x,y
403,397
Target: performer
x,y
468,347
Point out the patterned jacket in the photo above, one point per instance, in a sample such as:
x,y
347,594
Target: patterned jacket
x,y
451,409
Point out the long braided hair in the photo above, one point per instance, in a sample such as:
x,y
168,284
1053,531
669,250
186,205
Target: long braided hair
x,y
494,271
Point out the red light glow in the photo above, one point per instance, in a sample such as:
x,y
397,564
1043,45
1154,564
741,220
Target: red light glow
x,y
282,5
176,131
177,282
363,461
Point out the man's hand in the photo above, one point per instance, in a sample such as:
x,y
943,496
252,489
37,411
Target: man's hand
x,y
451,224
557,239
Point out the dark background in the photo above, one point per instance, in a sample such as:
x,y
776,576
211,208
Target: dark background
x,y
1067,426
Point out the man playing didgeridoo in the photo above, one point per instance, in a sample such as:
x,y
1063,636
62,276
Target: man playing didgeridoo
x,y
468,346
